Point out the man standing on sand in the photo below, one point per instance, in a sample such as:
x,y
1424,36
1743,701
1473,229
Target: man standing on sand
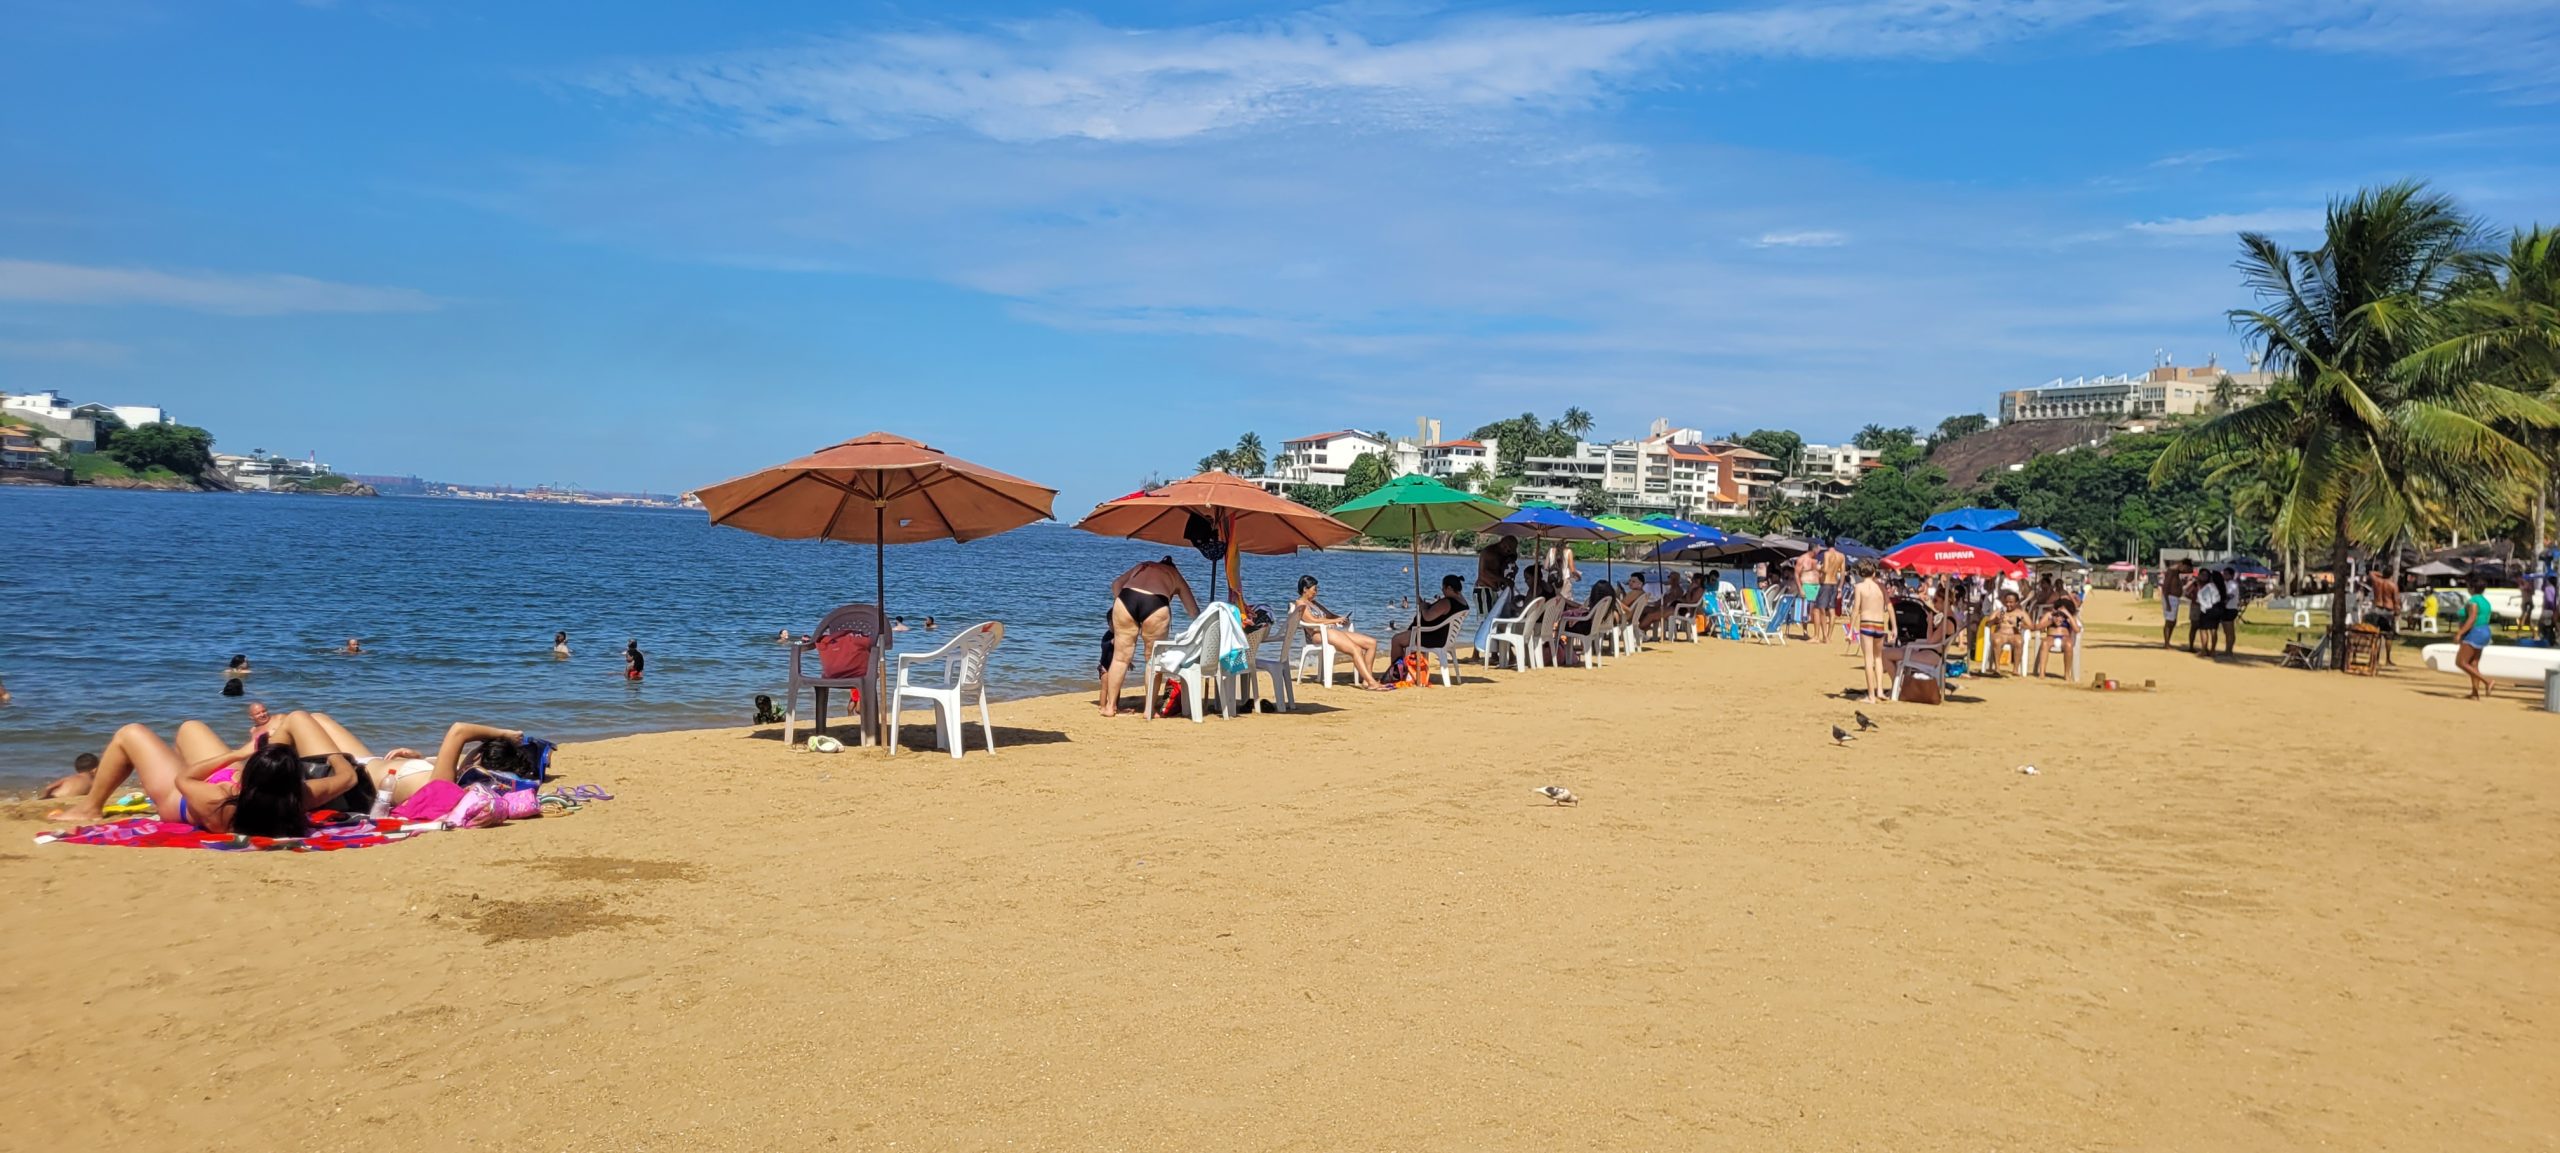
x,y
2385,613
1872,608
2173,590
1808,577
1835,576
1494,563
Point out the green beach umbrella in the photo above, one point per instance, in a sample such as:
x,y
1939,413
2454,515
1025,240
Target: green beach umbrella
x,y
1634,528
1414,505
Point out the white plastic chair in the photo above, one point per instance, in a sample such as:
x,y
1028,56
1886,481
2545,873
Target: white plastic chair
x,y
1446,652
1316,652
1190,660
1284,687
1603,619
964,677
1682,624
1623,630
859,620
1920,661
1516,633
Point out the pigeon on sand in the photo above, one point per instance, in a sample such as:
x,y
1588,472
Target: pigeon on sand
x,y
1841,736
1559,794
1863,723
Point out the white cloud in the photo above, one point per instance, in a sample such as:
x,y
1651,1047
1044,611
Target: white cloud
x,y
259,295
2196,159
1072,77
2235,223
63,351
1816,238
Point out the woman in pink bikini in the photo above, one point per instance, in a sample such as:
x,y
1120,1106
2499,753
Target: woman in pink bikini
x,y
270,793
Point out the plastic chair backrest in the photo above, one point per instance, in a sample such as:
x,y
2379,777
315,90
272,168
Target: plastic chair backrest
x,y
975,646
860,620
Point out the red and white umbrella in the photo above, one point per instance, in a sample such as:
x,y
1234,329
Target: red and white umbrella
x,y
1948,557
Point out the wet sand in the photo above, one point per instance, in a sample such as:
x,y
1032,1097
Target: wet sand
x,y
2256,909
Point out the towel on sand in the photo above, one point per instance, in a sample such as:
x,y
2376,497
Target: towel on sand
x,y
146,832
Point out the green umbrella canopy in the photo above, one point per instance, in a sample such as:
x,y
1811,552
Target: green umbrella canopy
x,y
1414,505
1635,528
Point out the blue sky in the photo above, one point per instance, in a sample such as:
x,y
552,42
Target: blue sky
x,y
641,244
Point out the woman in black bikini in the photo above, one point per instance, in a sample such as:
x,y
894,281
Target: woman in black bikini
x,y
1433,622
1141,608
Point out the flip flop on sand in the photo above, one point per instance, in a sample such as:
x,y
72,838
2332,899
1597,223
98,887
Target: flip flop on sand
x,y
584,793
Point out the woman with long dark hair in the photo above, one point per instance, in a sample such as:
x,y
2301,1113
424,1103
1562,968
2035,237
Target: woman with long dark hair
x,y
466,746
270,794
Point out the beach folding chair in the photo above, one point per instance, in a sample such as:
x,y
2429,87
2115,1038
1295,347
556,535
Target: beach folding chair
x,y
847,621
964,677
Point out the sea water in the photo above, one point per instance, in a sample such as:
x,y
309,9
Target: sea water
x,y
125,606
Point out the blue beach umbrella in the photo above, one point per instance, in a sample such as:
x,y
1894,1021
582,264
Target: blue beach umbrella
x,y
1542,522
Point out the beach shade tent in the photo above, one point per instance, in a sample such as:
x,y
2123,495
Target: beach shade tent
x,y
1974,519
1949,557
2437,568
1414,505
1236,511
877,489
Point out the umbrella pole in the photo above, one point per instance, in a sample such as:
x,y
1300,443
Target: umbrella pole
x,y
880,601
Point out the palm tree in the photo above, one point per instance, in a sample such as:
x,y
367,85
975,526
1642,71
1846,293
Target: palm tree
x,y
2506,328
1247,455
2380,442
1476,478
1222,460
1576,421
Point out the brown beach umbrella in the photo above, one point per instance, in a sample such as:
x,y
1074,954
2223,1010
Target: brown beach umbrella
x,y
1246,517
877,489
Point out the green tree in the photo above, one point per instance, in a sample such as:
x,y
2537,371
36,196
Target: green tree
x,y
1783,446
1477,478
1247,456
1222,460
1876,437
2386,439
2505,327
1576,421
1887,505
1590,500
1960,427
1319,496
1368,471
106,425
183,449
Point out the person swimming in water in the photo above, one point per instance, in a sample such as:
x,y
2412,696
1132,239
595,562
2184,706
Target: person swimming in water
x,y
560,644
234,676
633,660
352,647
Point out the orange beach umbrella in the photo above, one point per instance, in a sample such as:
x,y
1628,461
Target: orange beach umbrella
x,y
877,489
1242,514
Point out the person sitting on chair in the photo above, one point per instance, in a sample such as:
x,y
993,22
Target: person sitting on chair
x,y
1432,623
1363,650
2009,636
2061,624
1578,621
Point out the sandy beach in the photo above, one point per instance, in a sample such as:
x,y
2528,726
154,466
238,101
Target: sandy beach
x,y
2255,909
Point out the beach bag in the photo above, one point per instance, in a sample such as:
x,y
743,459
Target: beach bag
x,y
844,656
478,809
1171,706
520,805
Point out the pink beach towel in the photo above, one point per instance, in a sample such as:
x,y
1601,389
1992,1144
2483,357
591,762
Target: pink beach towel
x,y
430,803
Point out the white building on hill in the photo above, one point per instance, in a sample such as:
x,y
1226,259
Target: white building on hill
x,y
1321,459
